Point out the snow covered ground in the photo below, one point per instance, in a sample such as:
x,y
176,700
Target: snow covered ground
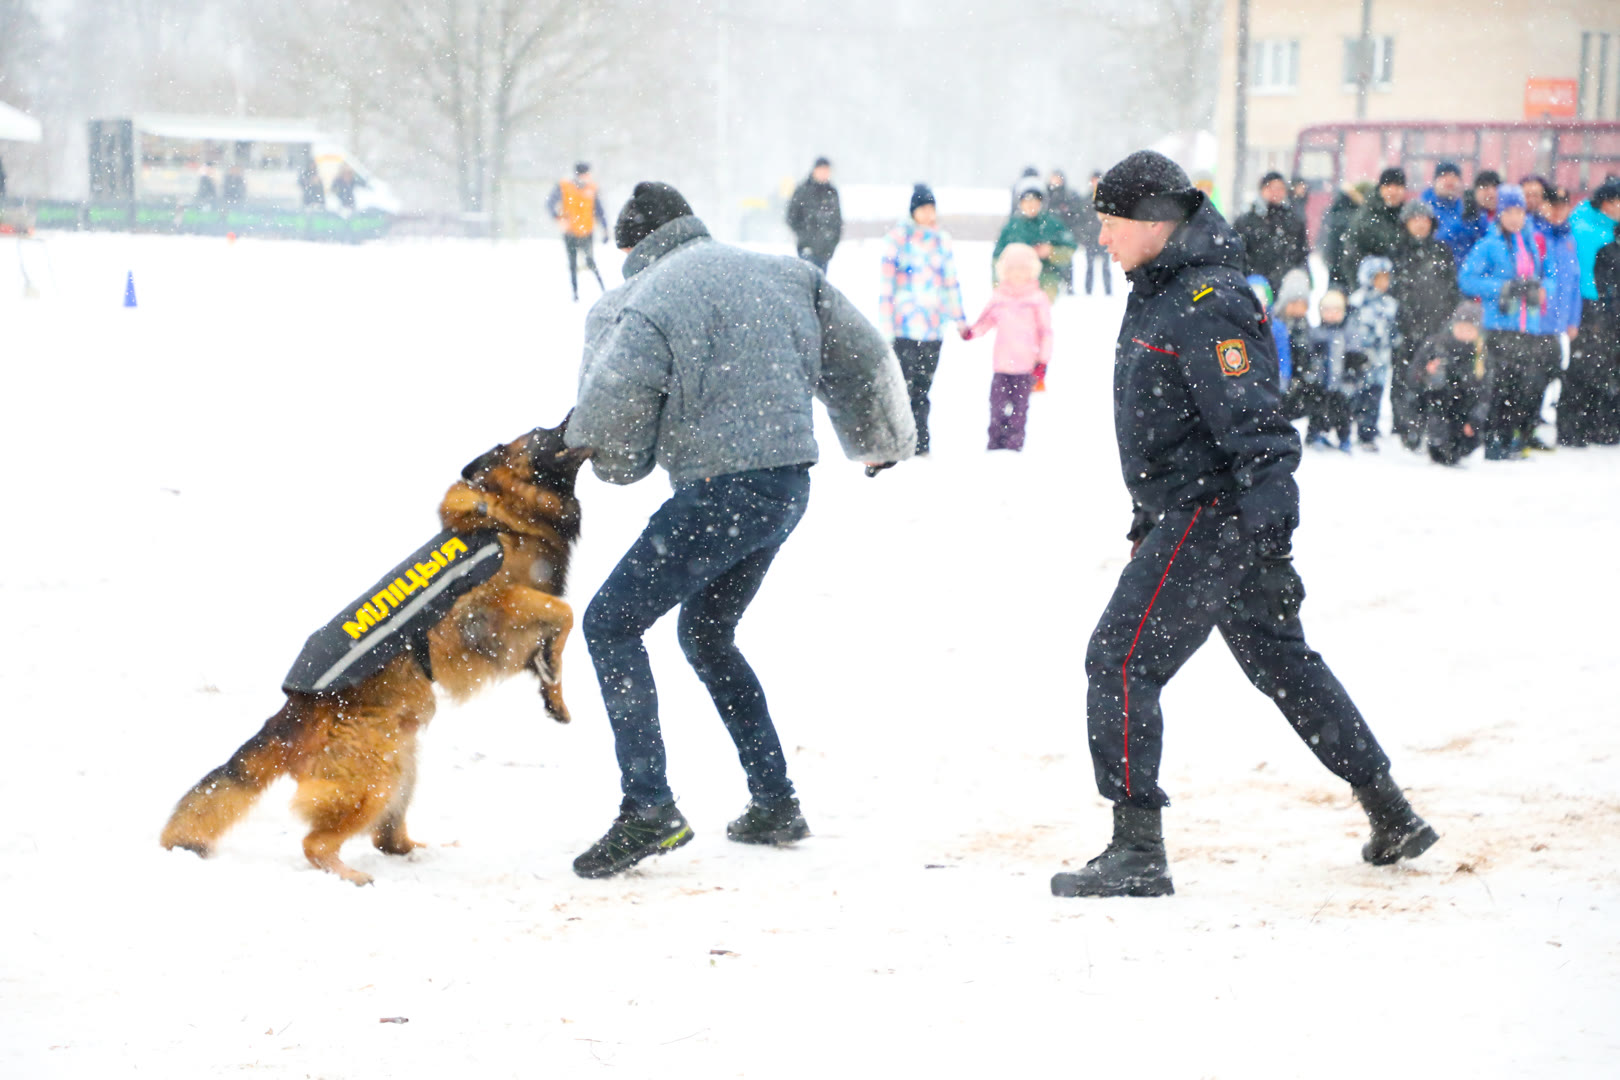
x,y
192,486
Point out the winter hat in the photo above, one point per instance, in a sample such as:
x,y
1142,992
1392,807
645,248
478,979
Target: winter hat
x,y
652,205
820,163
1147,186
1031,185
1416,208
1392,175
1509,196
1371,267
1607,192
581,168
1488,178
1296,285
1270,176
1446,168
1018,265
1557,196
921,195
1469,311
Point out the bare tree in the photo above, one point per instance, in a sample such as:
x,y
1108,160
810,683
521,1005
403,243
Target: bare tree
x,y
491,70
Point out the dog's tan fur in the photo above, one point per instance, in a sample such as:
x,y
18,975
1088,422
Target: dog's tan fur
x,y
353,753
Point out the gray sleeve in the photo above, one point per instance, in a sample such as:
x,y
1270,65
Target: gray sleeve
x,y
622,387
861,383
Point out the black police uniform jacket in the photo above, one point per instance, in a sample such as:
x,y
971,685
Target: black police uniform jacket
x,y
1197,409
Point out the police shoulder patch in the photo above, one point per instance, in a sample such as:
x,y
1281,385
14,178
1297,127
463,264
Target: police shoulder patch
x,y
1234,356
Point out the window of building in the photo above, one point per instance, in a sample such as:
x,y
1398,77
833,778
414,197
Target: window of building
x,y
1274,66
1599,96
1380,65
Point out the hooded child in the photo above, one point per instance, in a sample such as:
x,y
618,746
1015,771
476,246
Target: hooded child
x,y
1021,314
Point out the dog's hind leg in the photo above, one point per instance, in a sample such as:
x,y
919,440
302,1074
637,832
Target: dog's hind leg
x,y
390,836
335,812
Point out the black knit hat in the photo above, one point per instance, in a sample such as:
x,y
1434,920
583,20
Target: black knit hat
x,y
581,168
1488,178
921,195
1607,192
1147,186
1447,168
820,162
651,206
1392,175
1270,176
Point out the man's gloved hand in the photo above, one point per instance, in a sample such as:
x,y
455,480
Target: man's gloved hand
x,y
1279,584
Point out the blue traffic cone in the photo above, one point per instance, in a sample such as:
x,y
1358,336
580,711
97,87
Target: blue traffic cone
x,y
129,290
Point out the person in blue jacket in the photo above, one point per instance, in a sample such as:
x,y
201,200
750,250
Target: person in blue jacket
x,y
1504,272
1593,225
1453,226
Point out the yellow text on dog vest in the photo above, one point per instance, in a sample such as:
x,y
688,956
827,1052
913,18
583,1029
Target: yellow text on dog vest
x,y
394,595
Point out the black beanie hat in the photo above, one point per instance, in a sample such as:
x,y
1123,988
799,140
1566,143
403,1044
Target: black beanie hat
x,y
1392,175
1270,176
1488,178
921,195
581,168
1447,168
1147,186
651,206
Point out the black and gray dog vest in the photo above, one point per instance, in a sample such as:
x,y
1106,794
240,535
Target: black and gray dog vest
x,y
396,613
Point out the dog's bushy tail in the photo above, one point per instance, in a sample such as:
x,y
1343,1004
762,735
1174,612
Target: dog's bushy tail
x,y
220,799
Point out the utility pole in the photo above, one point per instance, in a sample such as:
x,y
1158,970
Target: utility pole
x,y
1240,108
1364,60
722,125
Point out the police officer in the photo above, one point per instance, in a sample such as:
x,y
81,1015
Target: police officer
x,y
1209,461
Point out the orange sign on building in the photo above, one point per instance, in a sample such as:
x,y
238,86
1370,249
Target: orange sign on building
x,y
1550,99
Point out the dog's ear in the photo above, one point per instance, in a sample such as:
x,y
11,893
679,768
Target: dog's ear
x,y
483,462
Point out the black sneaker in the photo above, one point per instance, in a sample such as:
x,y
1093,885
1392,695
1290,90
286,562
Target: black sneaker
x,y
780,823
1397,831
634,836
1133,863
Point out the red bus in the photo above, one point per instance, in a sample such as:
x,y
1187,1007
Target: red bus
x,y
1575,154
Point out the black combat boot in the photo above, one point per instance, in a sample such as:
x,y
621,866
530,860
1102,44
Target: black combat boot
x,y
1397,832
633,836
779,823
1133,863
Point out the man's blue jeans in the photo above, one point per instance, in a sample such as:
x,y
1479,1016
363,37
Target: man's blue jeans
x,y
707,549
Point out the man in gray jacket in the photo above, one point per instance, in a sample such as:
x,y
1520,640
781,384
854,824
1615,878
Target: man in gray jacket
x,y
705,361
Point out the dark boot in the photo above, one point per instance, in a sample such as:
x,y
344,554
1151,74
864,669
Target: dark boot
x,y
779,823
1397,832
634,836
1133,863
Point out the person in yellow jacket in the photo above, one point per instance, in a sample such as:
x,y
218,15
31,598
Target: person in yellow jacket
x,y
576,209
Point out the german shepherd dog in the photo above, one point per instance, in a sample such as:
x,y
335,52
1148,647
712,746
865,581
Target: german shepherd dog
x,y
353,751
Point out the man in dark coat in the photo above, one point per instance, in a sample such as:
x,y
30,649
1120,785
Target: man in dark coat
x,y
1425,287
1335,227
1376,228
1087,235
815,216
1209,461
1063,203
706,361
1273,232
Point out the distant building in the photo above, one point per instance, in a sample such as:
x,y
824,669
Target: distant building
x,y
1465,60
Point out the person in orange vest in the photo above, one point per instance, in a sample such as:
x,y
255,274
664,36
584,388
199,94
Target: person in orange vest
x,y
576,209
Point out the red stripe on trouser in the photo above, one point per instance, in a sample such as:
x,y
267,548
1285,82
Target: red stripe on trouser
x,y
1124,669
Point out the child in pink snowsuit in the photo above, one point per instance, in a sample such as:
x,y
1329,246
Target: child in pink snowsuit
x,y
1022,317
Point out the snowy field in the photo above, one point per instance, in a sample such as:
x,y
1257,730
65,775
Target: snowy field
x,y
195,485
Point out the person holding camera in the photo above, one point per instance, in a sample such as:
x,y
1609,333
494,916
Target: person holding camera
x,y
1504,272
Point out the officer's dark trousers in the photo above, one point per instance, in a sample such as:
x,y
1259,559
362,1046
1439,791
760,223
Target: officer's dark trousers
x,y
577,246
1092,256
707,549
1197,572
918,362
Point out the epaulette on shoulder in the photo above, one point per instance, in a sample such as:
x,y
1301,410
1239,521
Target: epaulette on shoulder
x,y
1207,283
